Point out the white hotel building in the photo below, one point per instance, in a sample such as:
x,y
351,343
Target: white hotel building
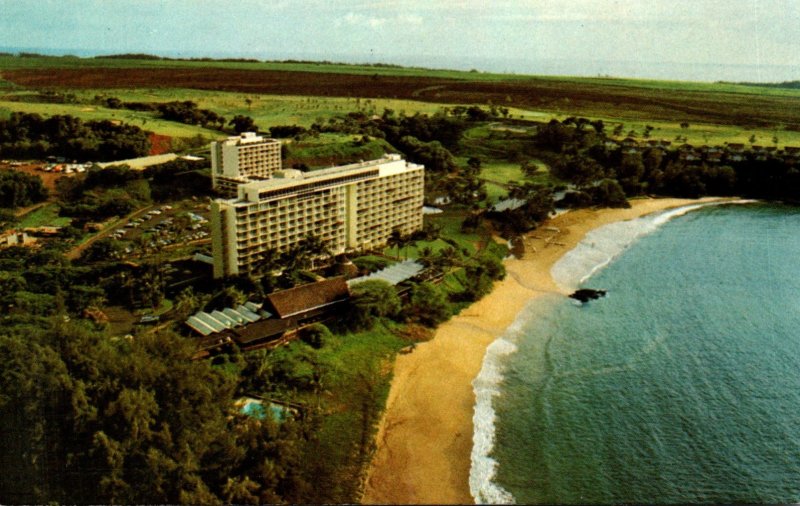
x,y
352,207
241,159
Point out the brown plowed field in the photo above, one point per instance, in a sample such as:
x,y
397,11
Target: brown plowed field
x,y
572,97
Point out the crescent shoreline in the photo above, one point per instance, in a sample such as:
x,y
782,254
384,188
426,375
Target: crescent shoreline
x,y
424,439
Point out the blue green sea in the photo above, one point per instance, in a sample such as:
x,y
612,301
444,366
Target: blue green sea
x,y
682,385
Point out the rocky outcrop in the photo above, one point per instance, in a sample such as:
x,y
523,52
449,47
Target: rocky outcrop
x,y
587,294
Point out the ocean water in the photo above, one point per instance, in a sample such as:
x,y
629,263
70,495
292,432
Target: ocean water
x,y
681,386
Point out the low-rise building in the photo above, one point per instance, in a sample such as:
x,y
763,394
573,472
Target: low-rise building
x,y
15,238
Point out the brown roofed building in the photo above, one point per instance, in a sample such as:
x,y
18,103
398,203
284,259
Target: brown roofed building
x,y
302,301
261,332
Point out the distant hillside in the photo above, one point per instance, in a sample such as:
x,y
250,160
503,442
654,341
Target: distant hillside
x,y
789,85
664,101
145,56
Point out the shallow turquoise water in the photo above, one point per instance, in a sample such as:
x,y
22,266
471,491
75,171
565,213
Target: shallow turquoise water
x,y
256,409
682,385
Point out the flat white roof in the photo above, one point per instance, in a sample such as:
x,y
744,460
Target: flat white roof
x,y
143,162
322,174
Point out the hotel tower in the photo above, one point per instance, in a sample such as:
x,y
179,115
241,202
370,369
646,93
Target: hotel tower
x,y
351,207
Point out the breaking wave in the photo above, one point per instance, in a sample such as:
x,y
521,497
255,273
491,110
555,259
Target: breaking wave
x,y
602,245
486,386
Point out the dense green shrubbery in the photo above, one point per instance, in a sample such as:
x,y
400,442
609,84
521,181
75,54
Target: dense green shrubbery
x,y
584,159
31,136
89,420
427,304
119,190
370,301
18,189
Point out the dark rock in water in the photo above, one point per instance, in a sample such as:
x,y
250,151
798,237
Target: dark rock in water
x,y
587,294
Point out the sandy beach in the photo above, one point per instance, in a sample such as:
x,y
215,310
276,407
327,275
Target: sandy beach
x,y
425,437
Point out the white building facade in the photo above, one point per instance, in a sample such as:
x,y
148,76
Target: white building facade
x,y
352,207
241,159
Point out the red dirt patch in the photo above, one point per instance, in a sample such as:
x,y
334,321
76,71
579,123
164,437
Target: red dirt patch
x,y
48,178
160,144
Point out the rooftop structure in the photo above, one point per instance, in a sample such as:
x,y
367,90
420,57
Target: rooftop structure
x,y
217,321
310,297
15,238
351,207
251,326
508,205
143,162
243,158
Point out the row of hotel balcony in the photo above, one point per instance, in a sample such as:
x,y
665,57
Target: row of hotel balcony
x,y
257,234
282,219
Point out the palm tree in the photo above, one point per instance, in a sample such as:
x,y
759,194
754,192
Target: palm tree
x,y
405,242
315,247
425,256
267,262
395,240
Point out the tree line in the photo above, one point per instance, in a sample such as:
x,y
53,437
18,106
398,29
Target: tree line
x,y
118,190
25,135
581,156
185,111
18,189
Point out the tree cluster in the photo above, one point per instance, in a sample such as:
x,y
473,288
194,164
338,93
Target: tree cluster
x,y
18,189
186,112
118,190
102,193
41,282
189,113
604,175
89,420
25,135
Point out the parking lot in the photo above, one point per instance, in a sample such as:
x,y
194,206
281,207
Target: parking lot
x,y
164,226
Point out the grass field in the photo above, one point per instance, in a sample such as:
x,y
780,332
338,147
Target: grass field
x,y
266,110
146,121
45,216
623,98
67,62
304,93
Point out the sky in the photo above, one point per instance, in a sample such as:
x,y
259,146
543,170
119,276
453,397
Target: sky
x,y
678,39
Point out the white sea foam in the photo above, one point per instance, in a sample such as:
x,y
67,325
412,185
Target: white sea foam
x,y
486,386
602,245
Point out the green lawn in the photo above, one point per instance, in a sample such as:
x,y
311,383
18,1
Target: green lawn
x,y
356,377
502,173
90,112
266,110
495,192
45,216
450,222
